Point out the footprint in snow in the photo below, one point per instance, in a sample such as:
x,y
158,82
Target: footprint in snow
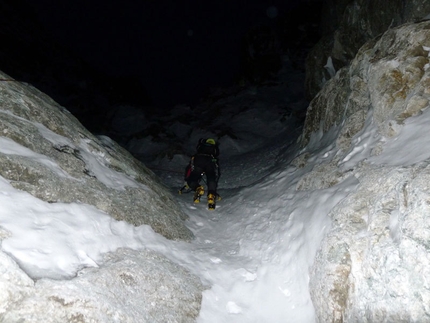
x,y
249,276
215,260
233,308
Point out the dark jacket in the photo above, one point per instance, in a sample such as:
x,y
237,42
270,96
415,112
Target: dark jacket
x,y
204,148
204,160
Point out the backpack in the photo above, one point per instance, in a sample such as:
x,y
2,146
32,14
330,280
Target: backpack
x,y
205,148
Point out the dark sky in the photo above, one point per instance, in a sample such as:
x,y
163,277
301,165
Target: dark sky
x,y
177,48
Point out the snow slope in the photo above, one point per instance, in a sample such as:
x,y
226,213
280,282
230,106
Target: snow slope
x,y
254,251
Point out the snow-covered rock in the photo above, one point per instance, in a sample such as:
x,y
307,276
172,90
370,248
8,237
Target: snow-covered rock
x,y
347,24
131,286
46,152
387,76
373,266
77,166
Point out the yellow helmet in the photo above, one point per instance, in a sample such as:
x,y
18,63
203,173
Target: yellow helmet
x,y
210,141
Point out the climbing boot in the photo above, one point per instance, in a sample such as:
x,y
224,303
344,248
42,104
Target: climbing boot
x,y
211,201
199,192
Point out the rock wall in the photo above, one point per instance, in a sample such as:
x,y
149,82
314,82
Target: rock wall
x,y
46,152
347,25
346,94
91,170
373,266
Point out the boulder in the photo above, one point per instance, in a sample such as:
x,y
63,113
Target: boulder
x,y
349,24
47,153
78,166
130,286
373,264
387,76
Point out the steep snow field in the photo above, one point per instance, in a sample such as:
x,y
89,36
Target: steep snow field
x,y
254,251
256,248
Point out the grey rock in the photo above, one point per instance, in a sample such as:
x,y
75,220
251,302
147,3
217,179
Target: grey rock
x,y
373,265
347,25
46,152
130,286
15,285
387,75
79,167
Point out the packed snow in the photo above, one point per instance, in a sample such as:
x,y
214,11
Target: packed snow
x,y
254,250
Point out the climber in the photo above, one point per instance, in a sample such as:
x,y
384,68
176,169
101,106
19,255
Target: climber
x,y
204,162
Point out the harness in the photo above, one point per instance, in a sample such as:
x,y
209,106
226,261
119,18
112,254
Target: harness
x,y
214,159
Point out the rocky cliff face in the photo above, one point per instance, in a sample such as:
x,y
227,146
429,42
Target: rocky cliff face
x,y
54,158
90,169
347,25
373,265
